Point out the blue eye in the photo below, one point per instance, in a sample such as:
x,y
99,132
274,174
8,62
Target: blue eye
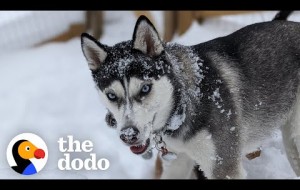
x,y
111,97
145,89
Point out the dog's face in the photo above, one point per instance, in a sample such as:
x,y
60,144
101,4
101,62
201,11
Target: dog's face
x,y
133,79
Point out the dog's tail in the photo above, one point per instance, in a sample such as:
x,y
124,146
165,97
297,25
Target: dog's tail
x,y
282,15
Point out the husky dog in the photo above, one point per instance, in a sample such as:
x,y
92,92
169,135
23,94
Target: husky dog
x,y
210,103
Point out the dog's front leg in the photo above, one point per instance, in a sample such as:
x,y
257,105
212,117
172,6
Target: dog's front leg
x,y
180,168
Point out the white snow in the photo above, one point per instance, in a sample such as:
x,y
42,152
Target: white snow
x,y
48,90
122,65
22,29
128,132
215,95
177,120
229,113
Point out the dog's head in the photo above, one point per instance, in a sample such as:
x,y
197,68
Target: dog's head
x,y
133,79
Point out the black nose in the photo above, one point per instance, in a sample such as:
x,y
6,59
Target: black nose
x,y
129,134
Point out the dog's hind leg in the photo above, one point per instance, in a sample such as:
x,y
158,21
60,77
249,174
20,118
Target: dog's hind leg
x,y
291,138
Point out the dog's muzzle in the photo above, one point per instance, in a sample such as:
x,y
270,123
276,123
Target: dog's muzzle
x,y
129,135
140,149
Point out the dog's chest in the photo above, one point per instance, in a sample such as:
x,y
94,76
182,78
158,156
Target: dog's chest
x,y
201,142
200,149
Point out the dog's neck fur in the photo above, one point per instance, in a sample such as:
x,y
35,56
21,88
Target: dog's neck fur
x,y
188,71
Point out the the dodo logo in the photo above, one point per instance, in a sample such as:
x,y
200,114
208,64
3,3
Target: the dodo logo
x,y
27,153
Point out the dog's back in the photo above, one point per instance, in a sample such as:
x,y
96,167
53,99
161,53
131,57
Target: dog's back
x,y
260,66
266,85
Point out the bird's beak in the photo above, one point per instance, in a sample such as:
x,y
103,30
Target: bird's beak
x,y
39,153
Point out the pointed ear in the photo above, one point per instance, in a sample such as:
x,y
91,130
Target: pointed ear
x,y
93,51
145,38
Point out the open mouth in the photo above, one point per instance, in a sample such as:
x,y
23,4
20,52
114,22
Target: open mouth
x,y
139,149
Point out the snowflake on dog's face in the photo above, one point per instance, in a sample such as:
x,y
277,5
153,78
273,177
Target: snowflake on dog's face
x,y
124,61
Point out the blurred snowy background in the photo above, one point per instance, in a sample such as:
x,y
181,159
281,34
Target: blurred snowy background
x,y
48,90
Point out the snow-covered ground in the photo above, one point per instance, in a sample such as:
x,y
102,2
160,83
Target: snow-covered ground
x,y
48,90
22,29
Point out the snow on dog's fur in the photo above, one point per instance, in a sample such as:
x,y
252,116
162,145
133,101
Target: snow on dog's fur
x,y
211,102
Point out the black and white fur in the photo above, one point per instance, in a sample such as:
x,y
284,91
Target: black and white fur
x,y
212,102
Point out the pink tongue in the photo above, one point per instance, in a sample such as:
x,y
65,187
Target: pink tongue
x,y
138,149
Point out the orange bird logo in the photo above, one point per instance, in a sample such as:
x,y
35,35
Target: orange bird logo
x,y
23,151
